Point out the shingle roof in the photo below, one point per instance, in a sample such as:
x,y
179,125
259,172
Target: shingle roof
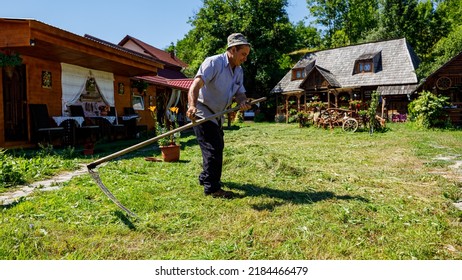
x,y
397,65
118,47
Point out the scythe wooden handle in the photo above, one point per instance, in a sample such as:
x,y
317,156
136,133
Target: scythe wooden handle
x,y
154,139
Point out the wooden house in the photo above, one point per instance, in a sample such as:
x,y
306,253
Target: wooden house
x,y
338,76
170,84
447,81
58,69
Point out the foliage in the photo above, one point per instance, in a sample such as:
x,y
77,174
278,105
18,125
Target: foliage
x,y
259,117
373,123
140,85
442,52
428,110
303,119
19,167
9,58
344,22
316,105
356,104
280,118
10,175
301,194
171,122
264,22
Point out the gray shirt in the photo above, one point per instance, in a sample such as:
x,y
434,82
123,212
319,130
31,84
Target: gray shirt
x,y
221,84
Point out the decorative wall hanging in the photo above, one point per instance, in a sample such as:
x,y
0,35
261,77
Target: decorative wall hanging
x,y
121,88
46,79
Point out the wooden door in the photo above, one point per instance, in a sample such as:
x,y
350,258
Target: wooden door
x,y
15,104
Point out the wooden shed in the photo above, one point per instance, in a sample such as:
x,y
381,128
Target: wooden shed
x,y
56,66
447,81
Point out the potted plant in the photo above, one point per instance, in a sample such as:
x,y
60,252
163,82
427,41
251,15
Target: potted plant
x,y
140,85
169,146
8,60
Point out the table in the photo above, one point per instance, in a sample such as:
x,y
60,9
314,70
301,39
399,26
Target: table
x,y
110,119
130,117
60,119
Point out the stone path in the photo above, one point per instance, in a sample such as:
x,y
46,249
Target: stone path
x,y
45,185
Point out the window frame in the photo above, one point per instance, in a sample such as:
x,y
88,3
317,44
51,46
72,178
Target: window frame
x,y
361,65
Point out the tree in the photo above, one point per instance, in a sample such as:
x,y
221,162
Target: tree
x,y
344,21
266,25
447,40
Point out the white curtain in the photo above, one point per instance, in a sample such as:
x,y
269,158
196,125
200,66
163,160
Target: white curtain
x,y
74,78
172,102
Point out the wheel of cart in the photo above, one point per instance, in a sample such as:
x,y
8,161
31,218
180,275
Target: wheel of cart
x,y
350,125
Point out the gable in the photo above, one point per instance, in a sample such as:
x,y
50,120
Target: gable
x,y
166,57
319,78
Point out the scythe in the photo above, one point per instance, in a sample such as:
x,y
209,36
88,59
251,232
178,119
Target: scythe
x,y
94,174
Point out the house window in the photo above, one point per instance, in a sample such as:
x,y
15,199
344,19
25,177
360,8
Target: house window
x,y
364,66
298,74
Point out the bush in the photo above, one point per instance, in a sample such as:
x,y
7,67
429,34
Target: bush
x,y
9,173
259,117
280,118
427,111
371,113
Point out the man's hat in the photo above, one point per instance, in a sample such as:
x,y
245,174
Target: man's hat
x,y
236,39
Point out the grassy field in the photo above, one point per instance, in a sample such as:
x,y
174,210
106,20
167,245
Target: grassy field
x,y
302,194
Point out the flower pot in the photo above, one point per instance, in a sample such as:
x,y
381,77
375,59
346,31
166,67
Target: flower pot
x,y
88,148
170,153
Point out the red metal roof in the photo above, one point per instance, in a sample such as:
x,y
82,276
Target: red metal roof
x,y
182,84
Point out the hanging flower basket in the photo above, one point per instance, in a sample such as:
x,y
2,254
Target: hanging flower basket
x,y
170,153
9,60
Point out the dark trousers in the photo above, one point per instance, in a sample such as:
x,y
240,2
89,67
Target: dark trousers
x,y
210,138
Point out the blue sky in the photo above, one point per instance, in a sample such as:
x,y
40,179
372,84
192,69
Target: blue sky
x,y
156,22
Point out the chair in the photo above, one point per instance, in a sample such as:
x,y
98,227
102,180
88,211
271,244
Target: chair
x,y
117,130
88,132
43,129
130,122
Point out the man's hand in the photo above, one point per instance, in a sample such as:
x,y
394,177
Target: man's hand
x,y
244,106
191,113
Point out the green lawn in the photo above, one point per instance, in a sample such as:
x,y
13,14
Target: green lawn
x,y
302,194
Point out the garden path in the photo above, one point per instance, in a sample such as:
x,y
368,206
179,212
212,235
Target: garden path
x,y
46,185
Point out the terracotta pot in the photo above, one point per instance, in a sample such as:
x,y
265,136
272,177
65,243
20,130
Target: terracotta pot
x,y
88,148
170,153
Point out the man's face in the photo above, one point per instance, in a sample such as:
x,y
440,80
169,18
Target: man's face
x,y
237,57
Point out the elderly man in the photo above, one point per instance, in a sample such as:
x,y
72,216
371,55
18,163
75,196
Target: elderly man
x,y
219,80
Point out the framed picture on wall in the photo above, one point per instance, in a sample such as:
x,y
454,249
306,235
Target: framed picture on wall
x,y
46,79
138,102
120,88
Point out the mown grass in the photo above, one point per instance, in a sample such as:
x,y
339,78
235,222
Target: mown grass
x,y
302,194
